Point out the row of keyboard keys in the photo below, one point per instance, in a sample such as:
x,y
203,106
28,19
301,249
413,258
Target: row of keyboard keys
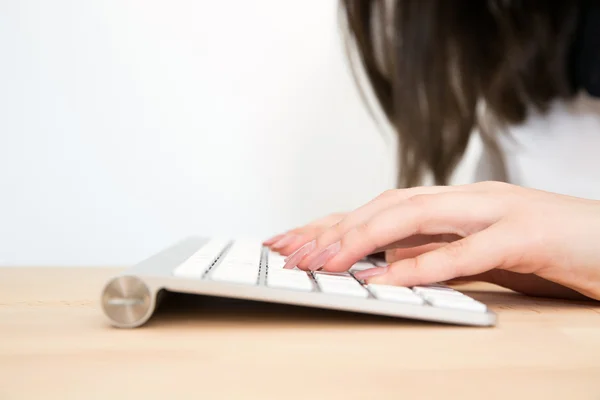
x,y
345,284
240,264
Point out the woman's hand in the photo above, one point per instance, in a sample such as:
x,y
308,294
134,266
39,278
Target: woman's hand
x,y
534,241
288,242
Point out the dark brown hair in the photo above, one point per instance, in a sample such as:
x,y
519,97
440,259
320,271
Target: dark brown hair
x,y
432,64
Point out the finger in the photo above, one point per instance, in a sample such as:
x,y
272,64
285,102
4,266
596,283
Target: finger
x,y
306,235
410,252
289,242
470,256
482,277
273,239
292,240
292,246
418,244
419,240
328,220
367,211
446,213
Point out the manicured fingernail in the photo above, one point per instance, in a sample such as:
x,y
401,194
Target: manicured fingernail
x,y
284,241
299,254
368,273
324,256
272,240
308,247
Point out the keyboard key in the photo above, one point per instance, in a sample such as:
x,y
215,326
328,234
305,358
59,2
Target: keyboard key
x,y
466,304
245,251
199,262
361,266
437,290
389,288
395,293
289,279
340,285
289,273
236,274
343,289
380,263
228,265
275,261
333,276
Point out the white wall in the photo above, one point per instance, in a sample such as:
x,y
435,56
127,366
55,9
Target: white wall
x,y
128,124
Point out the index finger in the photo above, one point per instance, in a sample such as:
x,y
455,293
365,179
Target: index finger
x,y
456,213
364,213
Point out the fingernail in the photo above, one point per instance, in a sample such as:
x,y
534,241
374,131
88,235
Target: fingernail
x,y
272,240
324,256
284,241
298,255
368,273
308,247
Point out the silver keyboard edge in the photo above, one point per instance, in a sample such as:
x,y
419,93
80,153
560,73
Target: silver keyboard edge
x,y
323,300
163,262
156,272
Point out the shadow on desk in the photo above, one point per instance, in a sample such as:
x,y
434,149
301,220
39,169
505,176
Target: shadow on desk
x,y
178,308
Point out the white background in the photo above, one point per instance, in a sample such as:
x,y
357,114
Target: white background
x,y
126,125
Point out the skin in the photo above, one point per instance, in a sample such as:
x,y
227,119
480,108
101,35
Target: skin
x,y
531,241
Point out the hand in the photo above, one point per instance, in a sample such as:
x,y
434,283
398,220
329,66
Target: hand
x,y
534,241
288,242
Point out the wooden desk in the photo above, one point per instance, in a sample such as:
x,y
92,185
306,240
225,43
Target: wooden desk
x,y
55,344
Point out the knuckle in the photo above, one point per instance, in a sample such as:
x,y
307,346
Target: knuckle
x,y
309,232
363,229
337,216
420,210
301,230
339,228
364,233
420,200
332,233
388,194
494,185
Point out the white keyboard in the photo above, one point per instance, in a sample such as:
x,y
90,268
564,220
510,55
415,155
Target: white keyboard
x,y
244,269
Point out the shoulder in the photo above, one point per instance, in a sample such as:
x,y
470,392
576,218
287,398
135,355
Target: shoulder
x,y
555,151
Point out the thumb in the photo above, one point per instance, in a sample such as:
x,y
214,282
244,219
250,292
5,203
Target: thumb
x,y
472,255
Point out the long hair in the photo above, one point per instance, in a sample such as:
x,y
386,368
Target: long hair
x,y
433,65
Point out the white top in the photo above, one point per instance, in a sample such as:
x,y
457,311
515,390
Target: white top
x,y
558,152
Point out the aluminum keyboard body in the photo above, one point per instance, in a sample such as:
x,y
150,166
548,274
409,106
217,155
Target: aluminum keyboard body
x,y
244,269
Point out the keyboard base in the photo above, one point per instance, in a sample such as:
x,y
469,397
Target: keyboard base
x,y
134,310
129,300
